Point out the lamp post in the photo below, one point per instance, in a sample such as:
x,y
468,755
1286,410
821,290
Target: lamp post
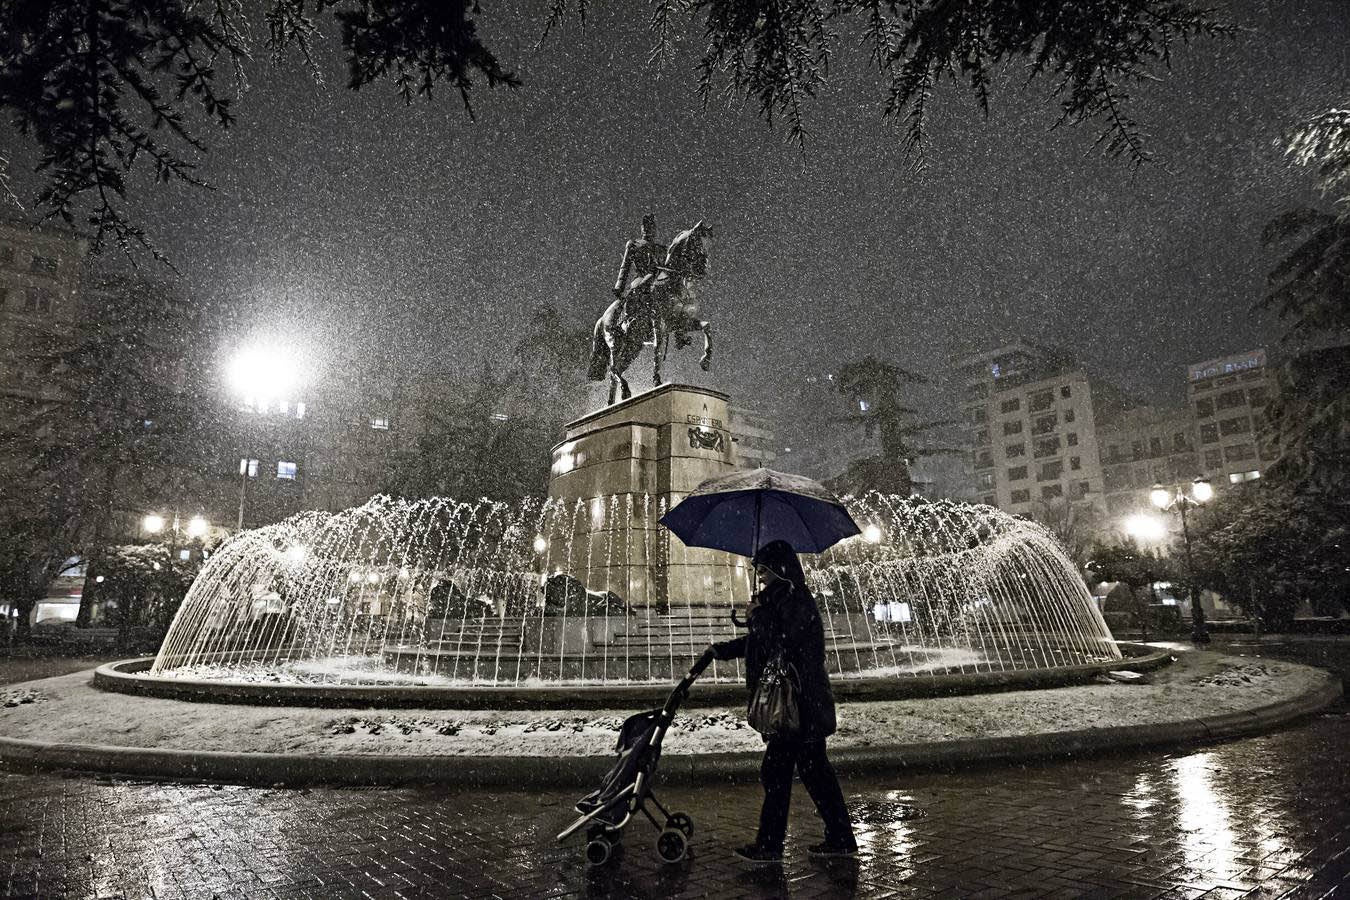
x,y
258,375
1167,500
196,528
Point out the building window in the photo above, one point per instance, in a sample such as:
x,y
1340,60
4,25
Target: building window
x,y
1238,477
1011,405
1239,452
1051,491
987,500
286,470
1050,471
1015,450
986,481
1044,424
1075,463
1022,496
979,416
379,423
1013,427
1204,408
251,464
6,256
1239,425
1209,434
1256,396
1065,391
985,460
1068,415
1213,458
1231,399
37,300
1042,400
1047,446
1179,441
982,437
1017,474
1155,446
1071,439
42,265
1079,490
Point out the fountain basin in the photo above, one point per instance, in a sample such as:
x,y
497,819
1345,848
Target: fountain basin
x,y
131,677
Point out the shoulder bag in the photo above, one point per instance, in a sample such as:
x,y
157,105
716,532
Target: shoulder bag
x,y
774,710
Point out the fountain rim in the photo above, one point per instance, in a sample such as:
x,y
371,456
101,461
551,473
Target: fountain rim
x,y
127,677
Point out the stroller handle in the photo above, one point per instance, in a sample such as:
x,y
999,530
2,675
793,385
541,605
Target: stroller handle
x,y
696,670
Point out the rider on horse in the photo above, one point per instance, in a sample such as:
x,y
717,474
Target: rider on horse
x,y
642,260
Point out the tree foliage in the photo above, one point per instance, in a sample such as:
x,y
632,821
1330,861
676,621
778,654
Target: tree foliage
x,y
1269,547
876,389
117,424
106,86
1309,290
146,583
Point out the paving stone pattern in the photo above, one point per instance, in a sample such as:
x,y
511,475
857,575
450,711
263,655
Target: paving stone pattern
x,y
1262,817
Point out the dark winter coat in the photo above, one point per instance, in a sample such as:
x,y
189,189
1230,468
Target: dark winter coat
x,y
787,617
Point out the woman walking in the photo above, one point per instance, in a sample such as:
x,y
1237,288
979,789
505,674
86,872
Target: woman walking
x,y
784,619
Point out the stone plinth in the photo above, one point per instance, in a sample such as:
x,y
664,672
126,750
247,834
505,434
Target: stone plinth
x,y
627,464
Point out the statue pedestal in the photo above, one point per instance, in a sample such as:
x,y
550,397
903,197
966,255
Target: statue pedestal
x,y
619,470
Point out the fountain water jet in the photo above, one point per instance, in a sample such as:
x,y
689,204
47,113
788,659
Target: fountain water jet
x,y
440,592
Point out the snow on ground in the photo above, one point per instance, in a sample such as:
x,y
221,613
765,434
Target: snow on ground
x,y
72,711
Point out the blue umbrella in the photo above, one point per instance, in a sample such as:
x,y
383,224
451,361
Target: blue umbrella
x,y
742,511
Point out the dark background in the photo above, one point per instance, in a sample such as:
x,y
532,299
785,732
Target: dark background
x,y
348,223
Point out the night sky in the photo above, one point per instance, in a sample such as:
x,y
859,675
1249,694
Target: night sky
x,y
346,220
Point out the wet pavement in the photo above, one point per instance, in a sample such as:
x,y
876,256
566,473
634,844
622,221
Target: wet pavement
x,y
1261,817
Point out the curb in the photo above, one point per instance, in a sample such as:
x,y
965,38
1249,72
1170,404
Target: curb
x,y
271,769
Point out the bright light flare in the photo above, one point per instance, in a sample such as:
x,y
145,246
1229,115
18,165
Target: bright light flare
x,y
872,534
1202,490
540,544
1144,527
263,373
1160,496
197,526
153,524
297,554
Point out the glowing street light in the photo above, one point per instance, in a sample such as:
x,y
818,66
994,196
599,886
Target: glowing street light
x,y
197,527
152,524
872,534
1163,498
1145,528
540,544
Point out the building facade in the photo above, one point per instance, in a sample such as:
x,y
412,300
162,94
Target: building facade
x,y
40,269
1228,398
1144,447
1032,416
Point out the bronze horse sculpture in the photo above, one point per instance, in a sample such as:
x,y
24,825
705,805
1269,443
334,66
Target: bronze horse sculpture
x,y
657,307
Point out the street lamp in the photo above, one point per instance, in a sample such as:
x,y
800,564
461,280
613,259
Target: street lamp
x,y
196,527
259,375
1165,499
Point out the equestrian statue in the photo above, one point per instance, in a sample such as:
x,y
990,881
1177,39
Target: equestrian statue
x,y
655,298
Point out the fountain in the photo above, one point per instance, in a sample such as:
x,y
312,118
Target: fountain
x,y
441,593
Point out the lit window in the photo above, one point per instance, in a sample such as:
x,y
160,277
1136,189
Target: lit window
x,y
379,423
1238,477
185,554
500,417
251,465
286,470
299,410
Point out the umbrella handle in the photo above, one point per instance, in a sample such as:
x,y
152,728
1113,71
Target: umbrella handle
x,y
738,622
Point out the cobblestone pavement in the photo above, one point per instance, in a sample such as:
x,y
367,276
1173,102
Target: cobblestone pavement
x,y
1261,817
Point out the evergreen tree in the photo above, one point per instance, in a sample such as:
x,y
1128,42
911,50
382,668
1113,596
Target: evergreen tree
x,y
875,389
120,423
1309,419
103,86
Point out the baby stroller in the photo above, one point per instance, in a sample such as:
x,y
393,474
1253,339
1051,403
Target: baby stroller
x,y
627,788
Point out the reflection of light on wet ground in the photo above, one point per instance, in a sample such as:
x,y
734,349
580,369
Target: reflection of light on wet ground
x,y
884,829
1203,817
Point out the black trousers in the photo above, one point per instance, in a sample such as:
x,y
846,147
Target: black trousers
x,y
781,757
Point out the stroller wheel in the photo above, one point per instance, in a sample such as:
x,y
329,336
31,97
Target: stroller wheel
x,y
671,845
597,852
682,822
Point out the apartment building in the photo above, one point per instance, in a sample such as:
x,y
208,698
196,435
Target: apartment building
x,y
1032,416
1227,397
1144,447
40,268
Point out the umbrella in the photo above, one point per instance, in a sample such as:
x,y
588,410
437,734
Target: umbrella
x,y
742,511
